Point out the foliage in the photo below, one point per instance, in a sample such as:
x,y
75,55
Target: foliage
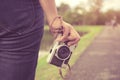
x,y
93,16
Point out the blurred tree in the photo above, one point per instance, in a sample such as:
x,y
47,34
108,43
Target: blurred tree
x,y
111,14
72,16
91,16
79,15
118,17
63,8
95,6
65,11
81,11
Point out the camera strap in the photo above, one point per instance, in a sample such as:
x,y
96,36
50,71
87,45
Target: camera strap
x,y
60,70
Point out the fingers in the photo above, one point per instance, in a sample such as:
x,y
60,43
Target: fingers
x,y
73,39
72,42
56,30
66,31
64,34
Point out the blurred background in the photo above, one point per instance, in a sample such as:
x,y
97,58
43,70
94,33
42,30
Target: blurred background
x,y
81,13
89,12
89,18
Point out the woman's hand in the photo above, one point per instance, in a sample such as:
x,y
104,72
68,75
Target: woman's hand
x,y
69,34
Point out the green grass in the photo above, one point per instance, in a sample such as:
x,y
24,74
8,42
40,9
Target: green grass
x,y
46,71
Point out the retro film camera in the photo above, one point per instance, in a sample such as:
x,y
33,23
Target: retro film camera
x,y
60,54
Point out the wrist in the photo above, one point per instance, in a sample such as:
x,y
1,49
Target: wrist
x,y
56,22
51,18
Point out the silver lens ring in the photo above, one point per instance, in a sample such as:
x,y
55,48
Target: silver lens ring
x,y
63,52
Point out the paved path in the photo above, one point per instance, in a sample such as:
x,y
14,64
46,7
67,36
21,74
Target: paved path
x,y
101,60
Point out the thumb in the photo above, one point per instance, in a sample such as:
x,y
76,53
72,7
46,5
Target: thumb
x,y
58,37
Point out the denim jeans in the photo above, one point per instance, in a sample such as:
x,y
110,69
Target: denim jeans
x,y
21,30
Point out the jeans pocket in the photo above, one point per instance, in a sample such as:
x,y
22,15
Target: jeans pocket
x,y
19,17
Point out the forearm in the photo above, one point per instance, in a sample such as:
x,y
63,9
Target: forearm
x,y
49,8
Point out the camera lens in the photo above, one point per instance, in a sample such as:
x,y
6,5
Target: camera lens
x,y
63,52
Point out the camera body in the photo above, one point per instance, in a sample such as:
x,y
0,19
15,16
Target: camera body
x,y
60,54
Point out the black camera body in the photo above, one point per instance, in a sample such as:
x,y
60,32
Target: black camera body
x,y
60,54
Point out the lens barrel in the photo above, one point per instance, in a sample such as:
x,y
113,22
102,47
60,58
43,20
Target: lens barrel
x,y
63,52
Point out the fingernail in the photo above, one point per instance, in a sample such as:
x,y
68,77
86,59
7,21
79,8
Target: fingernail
x,y
68,44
